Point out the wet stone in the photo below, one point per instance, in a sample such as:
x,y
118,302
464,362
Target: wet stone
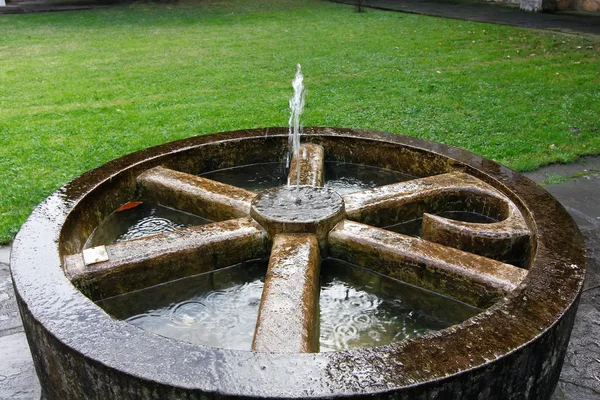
x,y
18,380
580,373
298,209
307,167
193,194
4,255
298,204
288,316
88,354
10,321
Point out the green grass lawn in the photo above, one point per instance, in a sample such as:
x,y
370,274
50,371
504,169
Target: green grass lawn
x,y
80,88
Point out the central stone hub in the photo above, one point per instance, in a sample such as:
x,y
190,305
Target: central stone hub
x,y
302,209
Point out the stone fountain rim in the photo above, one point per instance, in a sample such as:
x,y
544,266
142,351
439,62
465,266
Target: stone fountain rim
x,y
102,340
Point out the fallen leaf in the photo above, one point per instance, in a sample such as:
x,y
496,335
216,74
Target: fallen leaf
x,y
128,206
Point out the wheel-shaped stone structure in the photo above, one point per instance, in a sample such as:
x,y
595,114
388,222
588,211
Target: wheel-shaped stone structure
x,y
526,271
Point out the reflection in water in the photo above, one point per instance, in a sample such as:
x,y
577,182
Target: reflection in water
x,y
347,178
342,177
253,177
360,308
413,227
216,309
141,221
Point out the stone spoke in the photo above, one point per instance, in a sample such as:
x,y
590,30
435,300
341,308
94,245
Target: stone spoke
x,y
464,276
288,320
312,166
506,240
190,193
148,261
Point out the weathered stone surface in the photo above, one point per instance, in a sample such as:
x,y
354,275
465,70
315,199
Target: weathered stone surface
x,y
312,166
160,258
531,5
288,320
304,209
467,277
506,240
513,350
204,197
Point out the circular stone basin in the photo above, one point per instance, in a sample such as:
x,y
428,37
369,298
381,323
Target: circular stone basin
x,y
524,268
298,209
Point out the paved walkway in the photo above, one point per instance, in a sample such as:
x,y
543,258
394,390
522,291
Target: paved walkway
x,y
580,378
570,22
23,7
17,375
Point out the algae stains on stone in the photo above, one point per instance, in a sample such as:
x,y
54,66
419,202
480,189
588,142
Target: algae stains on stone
x,y
312,159
505,240
193,194
288,320
464,276
160,258
81,352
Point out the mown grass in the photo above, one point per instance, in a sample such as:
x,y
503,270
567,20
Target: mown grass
x,y
80,88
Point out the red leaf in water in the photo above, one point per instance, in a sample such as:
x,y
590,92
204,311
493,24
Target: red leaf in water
x,y
128,206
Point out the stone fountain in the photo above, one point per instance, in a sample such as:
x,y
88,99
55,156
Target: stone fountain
x,y
523,272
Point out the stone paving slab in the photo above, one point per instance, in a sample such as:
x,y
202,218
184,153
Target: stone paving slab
x,y
10,320
18,380
585,169
580,378
4,255
579,194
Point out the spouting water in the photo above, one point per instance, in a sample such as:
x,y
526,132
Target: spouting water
x,y
296,108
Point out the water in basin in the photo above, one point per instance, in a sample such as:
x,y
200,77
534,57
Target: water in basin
x,y
216,309
140,221
347,178
253,177
344,178
413,227
359,308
